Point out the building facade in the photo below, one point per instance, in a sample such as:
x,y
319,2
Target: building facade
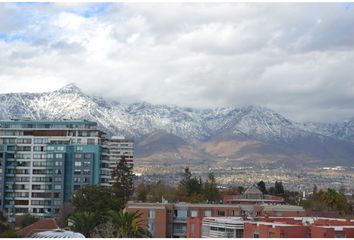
x,y
42,163
165,220
113,150
276,227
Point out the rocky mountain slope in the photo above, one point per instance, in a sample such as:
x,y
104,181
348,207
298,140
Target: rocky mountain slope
x,y
169,134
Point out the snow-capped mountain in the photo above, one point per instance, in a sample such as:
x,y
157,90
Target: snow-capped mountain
x,y
343,130
139,119
192,126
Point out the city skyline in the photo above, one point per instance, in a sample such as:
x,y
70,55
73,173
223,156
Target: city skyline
x,y
293,58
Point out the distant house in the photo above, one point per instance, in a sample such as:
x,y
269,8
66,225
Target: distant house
x,y
253,195
39,226
46,228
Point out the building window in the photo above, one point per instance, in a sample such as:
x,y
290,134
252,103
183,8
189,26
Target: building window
x,y
50,148
221,213
152,213
255,234
235,213
192,228
180,214
91,141
58,164
60,148
77,164
194,213
239,233
207,213
271,235
151,227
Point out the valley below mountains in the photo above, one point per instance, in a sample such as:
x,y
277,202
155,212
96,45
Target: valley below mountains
x,y
170,136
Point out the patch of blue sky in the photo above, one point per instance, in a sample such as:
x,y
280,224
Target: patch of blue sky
x,y
347,6
12,37
32,3
92,10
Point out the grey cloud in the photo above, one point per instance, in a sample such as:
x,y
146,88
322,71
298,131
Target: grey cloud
x,y
294,58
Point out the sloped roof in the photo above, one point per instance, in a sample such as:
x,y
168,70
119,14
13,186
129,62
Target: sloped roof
x,y
253,189
39,226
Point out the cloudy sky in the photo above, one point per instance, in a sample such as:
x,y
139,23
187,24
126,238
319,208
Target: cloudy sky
x,y
297,59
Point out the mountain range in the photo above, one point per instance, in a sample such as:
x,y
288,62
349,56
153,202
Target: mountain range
x,y
168,134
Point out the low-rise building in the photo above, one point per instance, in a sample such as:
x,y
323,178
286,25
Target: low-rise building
x,y
166,220
276,227
253,195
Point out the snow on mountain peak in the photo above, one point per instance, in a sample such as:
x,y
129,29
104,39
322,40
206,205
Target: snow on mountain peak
x,y
70,88
138,119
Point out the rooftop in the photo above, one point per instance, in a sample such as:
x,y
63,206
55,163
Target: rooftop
x,y
45,124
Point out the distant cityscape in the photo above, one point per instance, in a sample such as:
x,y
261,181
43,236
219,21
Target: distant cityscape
x,y
44,163
293,179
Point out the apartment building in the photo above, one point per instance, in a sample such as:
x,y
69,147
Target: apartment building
x,y
42,163
113,150
166,220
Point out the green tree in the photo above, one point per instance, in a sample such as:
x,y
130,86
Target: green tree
x,y
95,199
278,188
128,225
123,176
141,192
3,223
210,189
85,222
329,198
342,204
191,185
10,233
159,191
262,187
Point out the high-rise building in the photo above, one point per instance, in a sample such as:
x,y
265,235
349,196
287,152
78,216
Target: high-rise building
x,y
42,163
113,150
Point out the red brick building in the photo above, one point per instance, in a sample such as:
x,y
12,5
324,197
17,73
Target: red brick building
x,y
165,220
299,227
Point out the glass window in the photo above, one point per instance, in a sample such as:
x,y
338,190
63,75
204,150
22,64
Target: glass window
x,y
58,163
192,228
50,148
194,213
77,164
221,213
60,148
207,213
151,213
181,213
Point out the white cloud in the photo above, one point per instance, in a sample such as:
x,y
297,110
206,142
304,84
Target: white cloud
x,y
294,58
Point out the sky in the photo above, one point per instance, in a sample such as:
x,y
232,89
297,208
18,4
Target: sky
x,y
297,59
